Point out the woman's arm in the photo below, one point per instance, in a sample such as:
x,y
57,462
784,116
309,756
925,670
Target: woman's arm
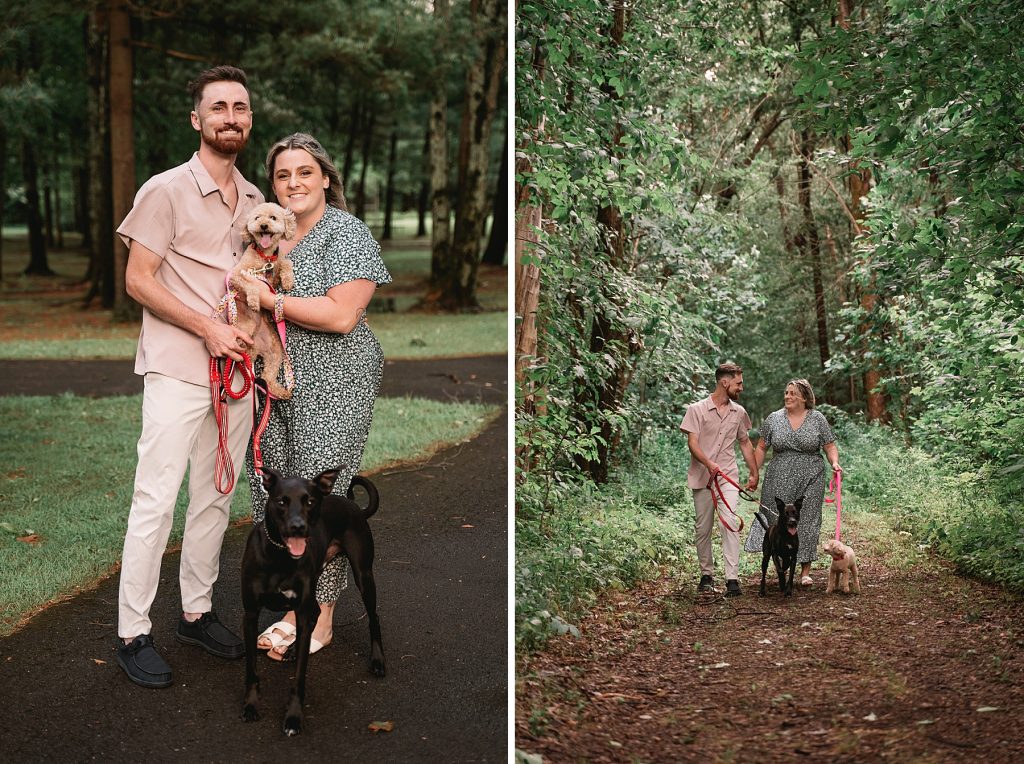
x,y
832,453
337,311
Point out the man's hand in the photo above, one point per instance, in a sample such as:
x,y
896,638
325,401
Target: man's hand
x,y
713,469
226,340
751,484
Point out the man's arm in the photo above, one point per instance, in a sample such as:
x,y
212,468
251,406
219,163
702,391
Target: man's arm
x,y
140,281
751,459
698,454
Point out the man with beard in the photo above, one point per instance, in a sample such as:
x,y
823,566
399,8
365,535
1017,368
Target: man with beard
x,y
183,237
712,427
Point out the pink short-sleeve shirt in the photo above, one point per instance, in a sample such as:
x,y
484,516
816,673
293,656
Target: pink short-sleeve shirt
x,y
182,216
716,436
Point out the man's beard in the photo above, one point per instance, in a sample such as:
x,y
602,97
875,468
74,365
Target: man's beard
x,y
228,145
734,395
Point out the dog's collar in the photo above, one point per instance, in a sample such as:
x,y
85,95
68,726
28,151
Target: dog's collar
x,y
266,532
269,258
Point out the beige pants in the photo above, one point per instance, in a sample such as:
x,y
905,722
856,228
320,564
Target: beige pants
x,y
706,520
179,430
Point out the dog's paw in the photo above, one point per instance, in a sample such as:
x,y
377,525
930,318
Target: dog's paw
x,y
292,725
377,668
287,281
249,713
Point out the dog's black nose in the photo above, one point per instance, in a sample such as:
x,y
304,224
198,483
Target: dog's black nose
x,y
296,527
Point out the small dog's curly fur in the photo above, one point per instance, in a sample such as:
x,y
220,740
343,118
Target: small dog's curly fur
x,y
264,228
844,566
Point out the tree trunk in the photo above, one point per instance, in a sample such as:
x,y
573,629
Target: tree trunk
x,y
100,219
354,124
37,264
48,213
424,197
605,336
3,191
497,244
122,142
811,244
440,205
483,82
368,129
389,194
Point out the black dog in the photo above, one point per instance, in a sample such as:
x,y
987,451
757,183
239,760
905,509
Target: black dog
x,y
303,528
781,544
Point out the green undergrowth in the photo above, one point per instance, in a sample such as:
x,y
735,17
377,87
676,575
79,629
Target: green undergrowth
x,y
575,540
959,510
69,465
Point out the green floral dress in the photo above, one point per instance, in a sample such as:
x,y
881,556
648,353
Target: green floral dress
x,y
337,376
796,470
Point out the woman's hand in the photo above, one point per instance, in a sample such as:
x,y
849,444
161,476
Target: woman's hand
x,y
266,295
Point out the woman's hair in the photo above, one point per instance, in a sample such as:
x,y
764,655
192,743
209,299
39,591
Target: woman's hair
x,y
805,390
334,192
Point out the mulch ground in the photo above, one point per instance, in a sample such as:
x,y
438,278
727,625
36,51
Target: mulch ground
x,y
923,666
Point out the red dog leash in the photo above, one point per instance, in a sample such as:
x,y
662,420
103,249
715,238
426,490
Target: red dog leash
x,y
835,496
714,485
220,391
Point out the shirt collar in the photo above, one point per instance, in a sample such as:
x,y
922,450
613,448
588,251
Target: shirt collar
x,y
208,185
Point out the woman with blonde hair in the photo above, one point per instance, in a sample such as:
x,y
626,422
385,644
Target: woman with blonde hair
x,y
797,434
336,359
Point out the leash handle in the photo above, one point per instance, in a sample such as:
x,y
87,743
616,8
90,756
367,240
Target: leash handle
x,y
835,496
220,391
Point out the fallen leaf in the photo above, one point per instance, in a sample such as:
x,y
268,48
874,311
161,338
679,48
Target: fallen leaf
x,y
99,662
381,726
986,709
871,717
34,539
467,525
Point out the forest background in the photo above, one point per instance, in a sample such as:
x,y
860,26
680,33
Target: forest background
x,y
824,189
408,96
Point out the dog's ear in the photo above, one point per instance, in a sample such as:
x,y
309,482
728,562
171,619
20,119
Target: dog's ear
x,y
780,505
289,223
799,503
270,477
243,227
325,481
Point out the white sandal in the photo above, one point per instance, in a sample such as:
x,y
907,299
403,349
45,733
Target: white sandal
x,y
806,581
275,639
315,646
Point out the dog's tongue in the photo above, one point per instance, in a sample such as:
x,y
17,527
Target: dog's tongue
x,y
296,546
791,531
266,240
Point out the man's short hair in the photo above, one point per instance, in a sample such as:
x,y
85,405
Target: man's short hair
x,y
727,370
225,73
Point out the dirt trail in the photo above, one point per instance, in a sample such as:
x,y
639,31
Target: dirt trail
x,y
924,666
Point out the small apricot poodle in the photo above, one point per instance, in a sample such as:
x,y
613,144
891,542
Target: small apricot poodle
x,y
844,566
265,226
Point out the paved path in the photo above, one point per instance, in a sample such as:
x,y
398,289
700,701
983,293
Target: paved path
x,y
442,590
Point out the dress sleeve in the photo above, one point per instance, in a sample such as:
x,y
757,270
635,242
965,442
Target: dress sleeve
x,y
825,430
766,431
353,254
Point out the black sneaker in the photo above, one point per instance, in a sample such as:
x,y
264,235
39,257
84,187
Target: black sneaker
x,y
142,663
211,635
732,588
707,584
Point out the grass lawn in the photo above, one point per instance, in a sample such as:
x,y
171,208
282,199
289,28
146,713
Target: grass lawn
x,y
68,470
68,463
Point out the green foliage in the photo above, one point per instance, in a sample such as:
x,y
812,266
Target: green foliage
x,y
943,501
932,101
574,539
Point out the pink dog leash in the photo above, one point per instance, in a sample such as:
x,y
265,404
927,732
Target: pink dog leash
x,y
835,491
